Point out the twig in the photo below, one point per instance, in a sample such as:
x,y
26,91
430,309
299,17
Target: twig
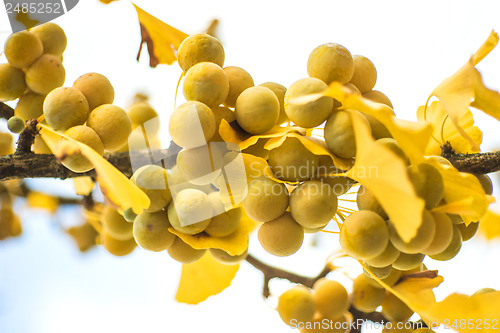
x,y
6,111
27,137
478,164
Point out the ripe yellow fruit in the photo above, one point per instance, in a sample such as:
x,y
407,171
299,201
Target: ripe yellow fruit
x,y
192,125
22,49
365,74
225,258
114,225
452,250
257,110
443,235
296,305
281,237
96,88
422,239
367,201
386,258
201,165
152,180
12,84
428,183
407,261
64,108
226,222
151,231
221,112
331,62
45,74
265,200
311,114
52,36
239,80
29,106
378,97
339,133
206,82
118,247
365,297
112,124
184,253
190,212
292,161
280,92
200,48
86,135
331,298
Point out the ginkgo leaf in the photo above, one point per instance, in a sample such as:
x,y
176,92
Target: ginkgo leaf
x,y
444,130
204,278
162,40
385,175
457,92
234,244
117,188
36,199
83,185
490,223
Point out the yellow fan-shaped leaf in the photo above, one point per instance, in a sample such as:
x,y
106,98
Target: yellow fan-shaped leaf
x,y
204,278
117,188
162,39
490,223
83,185
234,244
385,175
41,200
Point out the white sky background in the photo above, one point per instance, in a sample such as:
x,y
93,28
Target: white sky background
x,y
46,285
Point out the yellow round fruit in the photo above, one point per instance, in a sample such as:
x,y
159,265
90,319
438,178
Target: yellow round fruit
x,y
96,88
280,92
29,106
386,258
296,305
292,161
64,108
112,124
339,133
422,239
239,80
140,113
443,235
225,258
22,49
190,211
311,114
265,200
151,231
86,135
365,74
118,247
257,110
45,74
192,124
331,62
330,297
201,165
281,237
12,84
367,201
225,222
52,36
184,253
206,82
378,97
407,261
152,180
364,296
220,113
114,225
200,48
395,310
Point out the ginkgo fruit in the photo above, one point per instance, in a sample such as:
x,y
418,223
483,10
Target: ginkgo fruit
x,y
331,63
22,49
52,37
390,280
486,183
364,296
452,250
12,84
265,200
296,305
225,258
339,133
150,231
29,106
239,80
313,204
192,124
112,124
206,82
428,183
292,161
226,222
183,252
118,247
84,134
378,97
367,201
443,235
407,261
96,88
200,48
467,232
330,297
153,180
282,236
311,114
45,74
201,165
115,225
15,124
65,107
394,309
386,258
422,239
190,211
364,235
379,272
365,74
221,113
142,113
257,110
279,90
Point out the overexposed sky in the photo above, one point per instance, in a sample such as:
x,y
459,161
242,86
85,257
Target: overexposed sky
x,y
47,286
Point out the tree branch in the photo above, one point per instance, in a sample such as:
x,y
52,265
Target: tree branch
x,y
6,111
478,164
